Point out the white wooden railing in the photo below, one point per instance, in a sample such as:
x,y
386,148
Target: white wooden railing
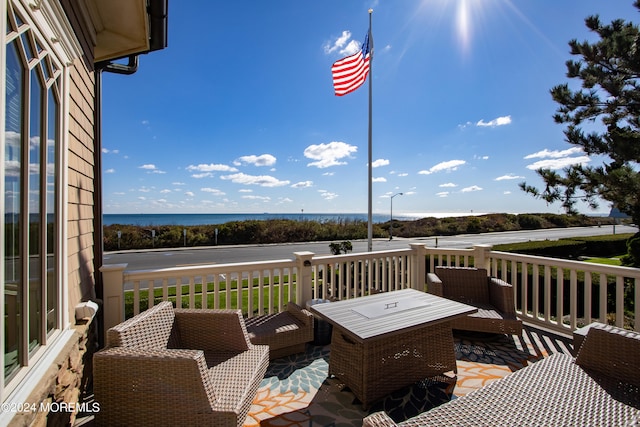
x,y
554,293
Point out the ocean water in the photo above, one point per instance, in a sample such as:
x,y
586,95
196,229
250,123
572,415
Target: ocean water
x,y
209,219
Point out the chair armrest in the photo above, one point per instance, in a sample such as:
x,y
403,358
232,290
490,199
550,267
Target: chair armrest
x,y
434,284
212,330
378,419
302,315
613,352
501,296
163,378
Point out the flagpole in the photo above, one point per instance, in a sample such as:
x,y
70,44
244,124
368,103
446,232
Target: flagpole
x,y
370,172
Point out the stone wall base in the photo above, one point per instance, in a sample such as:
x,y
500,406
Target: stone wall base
x,y
61,396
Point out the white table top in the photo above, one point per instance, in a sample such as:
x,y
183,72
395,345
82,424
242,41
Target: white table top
x,y
379,315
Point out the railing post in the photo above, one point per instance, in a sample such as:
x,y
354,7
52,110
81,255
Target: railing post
x,y
482,257
113,298
418,271
304,290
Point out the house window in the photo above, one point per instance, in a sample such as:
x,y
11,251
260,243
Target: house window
x,y
31,145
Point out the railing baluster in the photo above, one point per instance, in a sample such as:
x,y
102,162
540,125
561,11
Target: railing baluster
x,y
620,301
604,283
560,294
136,297
261,294
535,290
573,299
216,291
587,297
547,294
192,292
165,289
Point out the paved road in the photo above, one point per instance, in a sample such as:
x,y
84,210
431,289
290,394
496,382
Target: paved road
x,y
165,258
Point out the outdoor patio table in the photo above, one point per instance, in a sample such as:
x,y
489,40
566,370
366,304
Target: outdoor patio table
x,y
384,342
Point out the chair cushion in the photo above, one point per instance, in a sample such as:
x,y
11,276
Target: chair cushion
x,y
150,329
262,328
466,285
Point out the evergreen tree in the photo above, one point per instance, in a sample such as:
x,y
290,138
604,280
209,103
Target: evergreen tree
x,y
609,101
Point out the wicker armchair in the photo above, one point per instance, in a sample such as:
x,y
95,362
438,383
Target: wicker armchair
x,y
493,297
167,367
285,333
601,387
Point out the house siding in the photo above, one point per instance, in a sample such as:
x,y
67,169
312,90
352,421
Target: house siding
x,y
80,208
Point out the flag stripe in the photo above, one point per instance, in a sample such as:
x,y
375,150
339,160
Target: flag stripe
x,y
351,72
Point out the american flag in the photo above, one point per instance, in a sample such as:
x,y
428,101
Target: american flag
x,y
351,72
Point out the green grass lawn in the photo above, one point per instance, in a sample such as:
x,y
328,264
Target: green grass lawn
x,y
183,292
607,261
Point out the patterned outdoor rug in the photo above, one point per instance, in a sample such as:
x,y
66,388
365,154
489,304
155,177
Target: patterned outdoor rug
x,y
297,392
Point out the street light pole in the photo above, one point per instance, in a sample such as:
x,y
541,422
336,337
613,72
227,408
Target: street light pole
x,y
391,219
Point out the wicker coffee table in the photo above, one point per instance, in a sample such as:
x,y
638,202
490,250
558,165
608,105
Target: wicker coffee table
x,y
381,343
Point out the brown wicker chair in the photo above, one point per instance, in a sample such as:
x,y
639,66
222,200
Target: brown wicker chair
x,y
167,367
285,333
493,297
601,387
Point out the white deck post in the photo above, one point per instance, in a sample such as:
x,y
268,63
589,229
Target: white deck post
x,y
418,271
482,257
113,298
304,290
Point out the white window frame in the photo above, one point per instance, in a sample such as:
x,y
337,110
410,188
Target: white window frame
x,y
49,21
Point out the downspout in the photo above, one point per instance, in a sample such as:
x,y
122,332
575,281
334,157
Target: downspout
x,y
98,226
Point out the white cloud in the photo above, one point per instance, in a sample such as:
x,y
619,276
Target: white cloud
x,y
327,155
403,174
508,176
327,195
151,168
450,165
442,194
302,184
500,121
557,159
261,160
342,44
380,179
213,191
110,171
448,185
211,168
555,154
558,163
165,191
178,183
337,44
379,162
470,189
254,197
107,151
261,180
189,193
202,175
245,190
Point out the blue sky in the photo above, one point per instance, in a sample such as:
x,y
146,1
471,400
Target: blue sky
x,y
238,114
